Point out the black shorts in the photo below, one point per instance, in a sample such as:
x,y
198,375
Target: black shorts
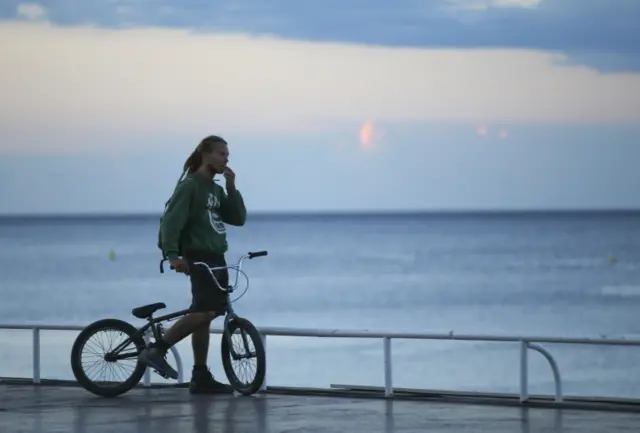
x,y
206,296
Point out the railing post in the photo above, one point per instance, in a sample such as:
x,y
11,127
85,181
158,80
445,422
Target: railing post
x,y
146,381
36,355
388,377
557,379
524,369
263,336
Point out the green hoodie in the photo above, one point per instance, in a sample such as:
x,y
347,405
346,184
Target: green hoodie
x,y
195,216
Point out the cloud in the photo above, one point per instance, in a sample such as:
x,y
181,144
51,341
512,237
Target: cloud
x,y
601,34
31,11
83,82
483,5
482,130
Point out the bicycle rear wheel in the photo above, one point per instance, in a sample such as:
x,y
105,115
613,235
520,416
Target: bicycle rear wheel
x,y
91,354
252,357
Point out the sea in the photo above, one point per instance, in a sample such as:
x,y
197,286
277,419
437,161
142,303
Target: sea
x,y
558,274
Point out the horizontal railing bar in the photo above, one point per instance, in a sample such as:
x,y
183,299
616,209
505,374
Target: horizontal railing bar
x,y
42,327
343,333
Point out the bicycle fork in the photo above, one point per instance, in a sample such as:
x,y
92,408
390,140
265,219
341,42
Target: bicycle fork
x,y
226,334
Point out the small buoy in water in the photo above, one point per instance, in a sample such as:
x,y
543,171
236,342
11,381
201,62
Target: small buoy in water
x,y
112,255
612,259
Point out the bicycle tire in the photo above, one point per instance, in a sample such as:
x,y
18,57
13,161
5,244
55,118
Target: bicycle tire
x,y
76,357
252,332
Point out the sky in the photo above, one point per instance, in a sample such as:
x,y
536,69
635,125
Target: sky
x,y
327,105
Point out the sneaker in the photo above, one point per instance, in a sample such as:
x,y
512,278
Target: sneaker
x,y
202,382
155,358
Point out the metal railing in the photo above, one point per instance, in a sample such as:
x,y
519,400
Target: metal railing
x,y
526,343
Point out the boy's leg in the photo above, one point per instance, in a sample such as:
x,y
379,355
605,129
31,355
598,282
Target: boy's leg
x,y
209,298
200,344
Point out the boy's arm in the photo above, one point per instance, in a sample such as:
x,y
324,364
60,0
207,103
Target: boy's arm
x,y
175,217
232,209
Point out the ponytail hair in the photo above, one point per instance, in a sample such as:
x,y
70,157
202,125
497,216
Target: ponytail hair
x,y
194,161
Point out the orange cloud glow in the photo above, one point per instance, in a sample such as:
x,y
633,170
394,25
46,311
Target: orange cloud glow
x,y
370,135
366,135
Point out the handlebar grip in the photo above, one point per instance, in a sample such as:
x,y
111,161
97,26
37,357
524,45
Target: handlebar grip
x,y
253,255
162,265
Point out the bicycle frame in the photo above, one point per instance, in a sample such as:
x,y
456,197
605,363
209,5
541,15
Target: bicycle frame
x,y
156,323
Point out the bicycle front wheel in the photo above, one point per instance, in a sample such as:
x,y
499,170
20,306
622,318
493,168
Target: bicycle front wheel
x,y
243,357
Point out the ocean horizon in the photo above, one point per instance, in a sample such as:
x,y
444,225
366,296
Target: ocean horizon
x,y
462,212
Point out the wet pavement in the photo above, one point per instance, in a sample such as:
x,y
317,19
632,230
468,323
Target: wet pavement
x,y
70,409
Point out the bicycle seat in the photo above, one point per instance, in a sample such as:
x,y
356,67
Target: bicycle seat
x,y
147,310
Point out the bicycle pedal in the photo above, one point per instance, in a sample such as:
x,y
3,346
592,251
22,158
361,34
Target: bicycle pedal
x,y
161,374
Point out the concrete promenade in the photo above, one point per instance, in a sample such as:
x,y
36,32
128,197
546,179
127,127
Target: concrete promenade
x,y
26,408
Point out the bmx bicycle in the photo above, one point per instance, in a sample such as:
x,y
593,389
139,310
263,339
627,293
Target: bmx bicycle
x,y
134,342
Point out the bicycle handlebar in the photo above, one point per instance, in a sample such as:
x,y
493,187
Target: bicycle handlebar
x,y
255,254
238,267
